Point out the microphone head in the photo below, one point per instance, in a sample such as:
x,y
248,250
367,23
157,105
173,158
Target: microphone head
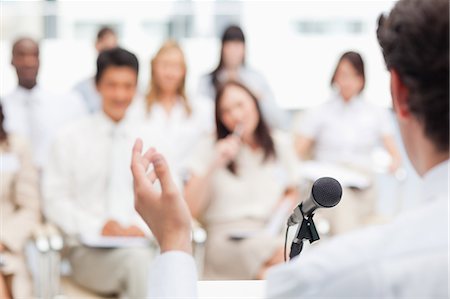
x,y
326,192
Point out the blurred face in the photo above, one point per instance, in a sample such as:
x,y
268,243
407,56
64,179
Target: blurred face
x,y
117,87
107,42
348,80
233,54
238,107
26,61
169,71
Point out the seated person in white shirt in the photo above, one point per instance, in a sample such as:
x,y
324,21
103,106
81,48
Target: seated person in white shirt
x,y
88,187
30,110
176,120
342,133
106,39
407,258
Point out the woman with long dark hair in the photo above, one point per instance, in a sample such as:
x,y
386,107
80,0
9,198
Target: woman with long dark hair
x,y
19,203
237,180
343,132
232,66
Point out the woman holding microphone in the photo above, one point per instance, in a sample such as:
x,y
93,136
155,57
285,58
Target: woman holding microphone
x,y
237,180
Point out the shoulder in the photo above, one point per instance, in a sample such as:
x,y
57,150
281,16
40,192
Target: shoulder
x,y
281,138
18,143
201,104
9,98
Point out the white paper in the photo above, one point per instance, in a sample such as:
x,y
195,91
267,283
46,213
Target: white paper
x,y
313,170
114,242
216,289
273,226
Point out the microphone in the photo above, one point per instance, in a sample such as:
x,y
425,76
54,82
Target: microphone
x,y
326,193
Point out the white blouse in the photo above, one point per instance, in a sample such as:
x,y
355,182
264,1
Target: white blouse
x,y
176,133
346,132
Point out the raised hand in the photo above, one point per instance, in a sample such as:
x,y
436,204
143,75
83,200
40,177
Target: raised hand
x,y
165,212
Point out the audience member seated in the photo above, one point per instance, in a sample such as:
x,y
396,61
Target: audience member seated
x,y
232,67
88,188
106,39
344,132
19,205
238,179
170,116
32,111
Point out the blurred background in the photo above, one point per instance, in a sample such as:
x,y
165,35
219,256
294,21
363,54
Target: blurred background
x,y
295,45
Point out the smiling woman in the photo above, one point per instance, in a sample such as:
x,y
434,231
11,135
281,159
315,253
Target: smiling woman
x,y
237,181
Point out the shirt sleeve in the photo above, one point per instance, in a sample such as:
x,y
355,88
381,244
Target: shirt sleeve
x,y
288,158
205,87
272,112
173,275
310,125
199,161
385,125
59,202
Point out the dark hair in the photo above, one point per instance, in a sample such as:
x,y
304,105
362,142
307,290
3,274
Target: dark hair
x,y
261,134
115,57
232,33
3,134
414,39
105,30
357,63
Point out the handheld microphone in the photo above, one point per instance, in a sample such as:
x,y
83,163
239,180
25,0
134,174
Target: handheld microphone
x,y
326,193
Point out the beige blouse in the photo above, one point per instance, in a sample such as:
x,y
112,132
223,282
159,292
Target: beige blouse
x,y
258,185
19,193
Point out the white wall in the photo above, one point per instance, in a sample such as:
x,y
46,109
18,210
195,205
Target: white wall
x,y
297,66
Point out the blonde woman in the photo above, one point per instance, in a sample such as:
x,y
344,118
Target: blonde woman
x,y
175,121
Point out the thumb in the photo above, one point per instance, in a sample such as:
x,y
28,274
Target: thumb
x,y
162,171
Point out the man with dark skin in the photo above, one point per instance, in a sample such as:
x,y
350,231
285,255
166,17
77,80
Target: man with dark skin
x,y
32,111
25,59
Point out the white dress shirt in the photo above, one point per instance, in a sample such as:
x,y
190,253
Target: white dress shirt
x,y
88,179
37,115
255,81
407,258
346,132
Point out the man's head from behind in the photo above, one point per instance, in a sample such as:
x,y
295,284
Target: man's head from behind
x,y
116,80
106,39
25,59
415,42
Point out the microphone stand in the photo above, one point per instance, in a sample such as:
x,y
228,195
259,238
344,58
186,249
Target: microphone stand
x,y
306,231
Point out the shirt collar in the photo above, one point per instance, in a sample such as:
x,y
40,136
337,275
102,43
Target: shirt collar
x,y
108,126
436,180
24,90
353,101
